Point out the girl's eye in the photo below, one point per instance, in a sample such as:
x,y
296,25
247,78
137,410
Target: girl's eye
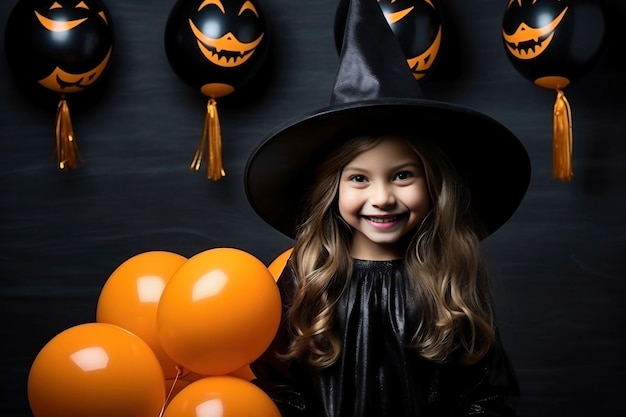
x,y
403,175
358,178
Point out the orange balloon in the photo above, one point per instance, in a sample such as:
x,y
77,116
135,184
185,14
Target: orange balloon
x,y
218,312
278,264
96,370
224,396
131,294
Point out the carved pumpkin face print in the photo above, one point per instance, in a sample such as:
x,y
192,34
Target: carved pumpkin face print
x,y
216,45
63,45
552,42
419,29
528,42
418,26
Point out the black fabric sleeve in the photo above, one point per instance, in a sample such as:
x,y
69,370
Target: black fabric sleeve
x,y
488,388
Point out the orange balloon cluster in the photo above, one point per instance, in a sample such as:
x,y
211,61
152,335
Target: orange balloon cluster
x,y
172,336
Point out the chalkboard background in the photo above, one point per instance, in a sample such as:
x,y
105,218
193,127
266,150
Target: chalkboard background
x,y
559,264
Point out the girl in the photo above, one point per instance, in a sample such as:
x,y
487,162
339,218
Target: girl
x,y
387,309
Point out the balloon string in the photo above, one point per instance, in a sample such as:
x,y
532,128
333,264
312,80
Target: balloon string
x,y
169,394
211,133
66,148
562,142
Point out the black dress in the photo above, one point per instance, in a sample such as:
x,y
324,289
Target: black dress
x,y
376,374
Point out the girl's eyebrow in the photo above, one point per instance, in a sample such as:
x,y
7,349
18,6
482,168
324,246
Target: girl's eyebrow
x,y
353,168
415,164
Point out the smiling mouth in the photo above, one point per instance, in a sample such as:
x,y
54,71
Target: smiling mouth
x,y
382,219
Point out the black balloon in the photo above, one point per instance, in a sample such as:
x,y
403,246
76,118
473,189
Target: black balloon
x,y
418,25
553,42
61,46
216,47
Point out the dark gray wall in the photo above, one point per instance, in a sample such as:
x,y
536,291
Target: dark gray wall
x,y
559,265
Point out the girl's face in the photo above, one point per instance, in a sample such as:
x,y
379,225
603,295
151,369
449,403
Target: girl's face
x,y
383,196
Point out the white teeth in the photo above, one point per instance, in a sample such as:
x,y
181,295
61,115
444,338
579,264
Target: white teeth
x,y
382,219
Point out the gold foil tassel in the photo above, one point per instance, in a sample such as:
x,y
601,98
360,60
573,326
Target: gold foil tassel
x,y
66,148
211,134
562,142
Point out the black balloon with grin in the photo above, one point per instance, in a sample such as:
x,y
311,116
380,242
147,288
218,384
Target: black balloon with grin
x,y
58,49
216,46
64,46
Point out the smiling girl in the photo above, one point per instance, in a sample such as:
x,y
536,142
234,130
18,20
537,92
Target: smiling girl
x,y
387,304
388,309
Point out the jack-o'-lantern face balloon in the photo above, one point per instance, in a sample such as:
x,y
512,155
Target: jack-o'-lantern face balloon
x,y
417,24
64,46
216,46
553,42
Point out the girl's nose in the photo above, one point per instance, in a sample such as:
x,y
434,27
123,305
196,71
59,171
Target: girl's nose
x,y
382,196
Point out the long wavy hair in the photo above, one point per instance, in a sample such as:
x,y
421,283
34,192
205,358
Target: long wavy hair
x,y
442,258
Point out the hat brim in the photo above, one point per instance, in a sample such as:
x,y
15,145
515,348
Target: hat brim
x,y
489,156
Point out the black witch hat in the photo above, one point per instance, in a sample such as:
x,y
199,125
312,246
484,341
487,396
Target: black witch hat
x,y
375,93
